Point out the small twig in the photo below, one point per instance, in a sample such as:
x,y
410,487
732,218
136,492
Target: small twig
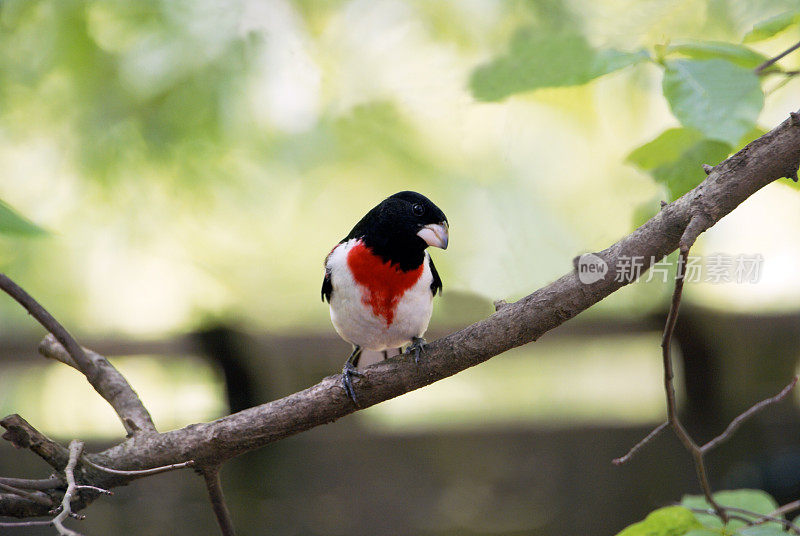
x,y
102,491
138,472
773,60
657,430
738,421
50,324
750,517
690,234
215,495
760,519
688,238
786,508
75,450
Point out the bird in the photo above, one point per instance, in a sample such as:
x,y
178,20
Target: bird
x,y
380,281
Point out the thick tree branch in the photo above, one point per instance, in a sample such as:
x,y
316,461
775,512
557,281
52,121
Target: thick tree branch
x,y
24,436
774,155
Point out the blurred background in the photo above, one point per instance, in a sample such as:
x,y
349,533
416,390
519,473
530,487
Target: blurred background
x,y
177,172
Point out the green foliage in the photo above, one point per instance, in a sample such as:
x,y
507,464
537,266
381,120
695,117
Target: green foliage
x,y
708,50
719,98
12,223
751,500
544,56
127,83
683,521
230,124
667,521
772,26
710,86
675,158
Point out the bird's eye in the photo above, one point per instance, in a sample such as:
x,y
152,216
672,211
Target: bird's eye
x,y
418,209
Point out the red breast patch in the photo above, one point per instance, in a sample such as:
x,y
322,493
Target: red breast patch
x,y
384,283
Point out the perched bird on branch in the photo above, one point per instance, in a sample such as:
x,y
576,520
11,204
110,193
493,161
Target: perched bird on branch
x,y
380,281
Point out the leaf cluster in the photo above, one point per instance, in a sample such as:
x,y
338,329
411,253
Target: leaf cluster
x,y
749,507
713,88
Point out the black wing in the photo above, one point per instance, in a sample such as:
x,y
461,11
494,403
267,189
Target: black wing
x,y
436,285
327,287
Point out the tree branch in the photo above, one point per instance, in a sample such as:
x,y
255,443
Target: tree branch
x,y
738,421
50,324
772,156
33,496
139,472
696,225
638,446
214,487
24,436
687,240
111,385
775,59
38,484
105,379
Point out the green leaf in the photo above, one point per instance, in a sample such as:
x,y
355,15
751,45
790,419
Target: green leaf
x,y
719,98
11,222
675,158
668,146
542,57
772,26
687,172
707,50
668,521
753,500
705,532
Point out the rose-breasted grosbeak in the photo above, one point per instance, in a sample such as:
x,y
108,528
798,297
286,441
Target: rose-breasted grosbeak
x,y
380,281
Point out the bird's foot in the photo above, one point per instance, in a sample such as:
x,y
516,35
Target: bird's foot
x,y
416,347
348,371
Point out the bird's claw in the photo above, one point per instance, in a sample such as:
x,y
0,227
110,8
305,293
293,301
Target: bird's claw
x,y
348,371
416,347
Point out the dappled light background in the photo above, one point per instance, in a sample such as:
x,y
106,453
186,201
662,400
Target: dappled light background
x,y
192,163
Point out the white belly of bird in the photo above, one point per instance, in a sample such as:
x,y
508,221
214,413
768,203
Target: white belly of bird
x,y
355,320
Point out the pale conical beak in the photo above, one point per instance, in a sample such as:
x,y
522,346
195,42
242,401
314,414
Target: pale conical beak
x,y
435,234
